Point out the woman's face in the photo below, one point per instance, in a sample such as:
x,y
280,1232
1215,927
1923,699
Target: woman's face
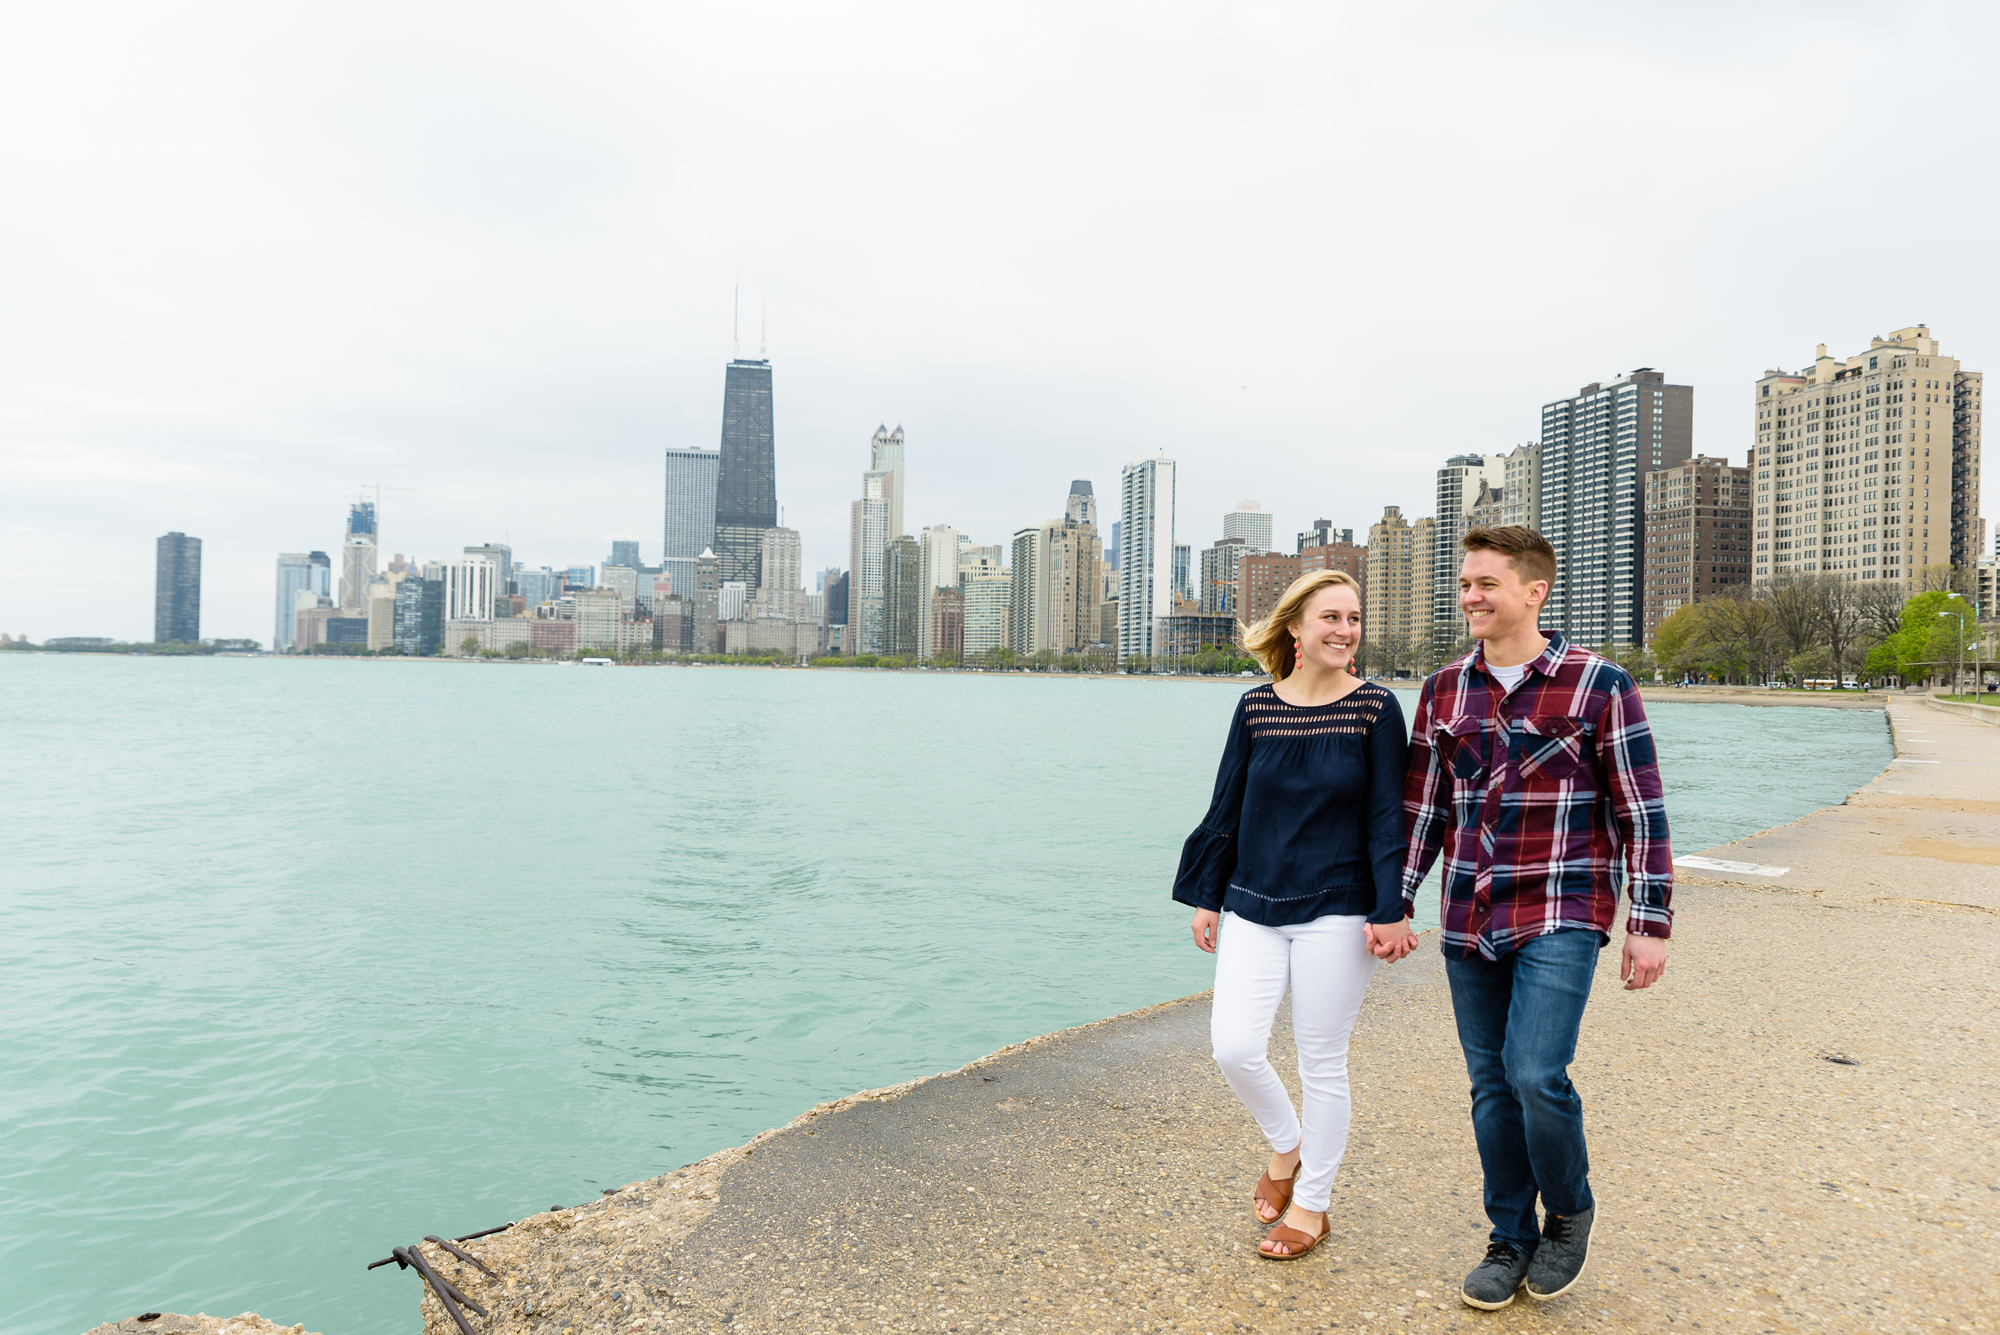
x,y
1329,632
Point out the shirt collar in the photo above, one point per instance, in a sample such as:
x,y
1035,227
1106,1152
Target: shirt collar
x,y
1543,663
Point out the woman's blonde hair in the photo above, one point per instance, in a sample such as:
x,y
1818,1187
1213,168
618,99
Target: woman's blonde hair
x,y
1271,639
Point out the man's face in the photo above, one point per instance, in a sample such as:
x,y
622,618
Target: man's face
x,y
1495,599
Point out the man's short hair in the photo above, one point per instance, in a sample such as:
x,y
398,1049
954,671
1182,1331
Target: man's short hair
x,y
1526,550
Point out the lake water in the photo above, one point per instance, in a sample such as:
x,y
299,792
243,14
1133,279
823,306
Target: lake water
x,y
306,959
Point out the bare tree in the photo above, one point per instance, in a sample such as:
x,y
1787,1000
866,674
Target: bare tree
x,y
1881,608
1839,617
1796,612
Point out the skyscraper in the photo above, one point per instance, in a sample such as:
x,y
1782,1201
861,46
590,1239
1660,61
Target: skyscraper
x,y
1596,449
1521,487
1459,483
1249,522
746,486
885,455
501,557
1218,575
902,597
419,616
707,602
1145,552
1868,468
298,572
1697,535
177,590
1082,505
692,479
624,552
868,536
1400,556
940,545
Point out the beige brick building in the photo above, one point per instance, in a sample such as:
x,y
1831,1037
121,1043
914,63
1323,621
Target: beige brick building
x,y
1398,612
1868,467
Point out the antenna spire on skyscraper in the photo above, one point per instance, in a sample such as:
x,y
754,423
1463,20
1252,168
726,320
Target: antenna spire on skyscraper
x,y
763,324
736,322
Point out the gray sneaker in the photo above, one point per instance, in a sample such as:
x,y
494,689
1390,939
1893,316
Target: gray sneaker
x,y
1560,1258
1495,1280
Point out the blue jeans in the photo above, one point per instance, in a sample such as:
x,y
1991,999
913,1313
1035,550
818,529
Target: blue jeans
x,y
1517,1021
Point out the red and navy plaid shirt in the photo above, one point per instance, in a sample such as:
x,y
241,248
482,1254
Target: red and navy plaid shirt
x,y
1533,796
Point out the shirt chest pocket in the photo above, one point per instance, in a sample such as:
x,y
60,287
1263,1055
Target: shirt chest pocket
x,y
1554,749
1461,743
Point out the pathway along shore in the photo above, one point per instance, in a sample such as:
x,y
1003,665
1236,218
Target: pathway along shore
x,y
1796,1130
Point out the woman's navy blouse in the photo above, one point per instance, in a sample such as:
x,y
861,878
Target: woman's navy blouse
x,y
1308,812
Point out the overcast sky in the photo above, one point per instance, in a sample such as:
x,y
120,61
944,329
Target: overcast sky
x,y
254,256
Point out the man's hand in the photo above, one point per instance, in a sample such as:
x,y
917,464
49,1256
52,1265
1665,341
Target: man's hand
x,y
1204,928
1644,961
1389,941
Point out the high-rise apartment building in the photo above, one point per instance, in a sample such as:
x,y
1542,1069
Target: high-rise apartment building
x,y
381,605
1401,556
692,479
1323,532
1459,483
1184,571
902,597
1145,552
177,589
1081,508
1057,575
419,616
1217,591
1697,535
501,557
600,619
868,540
1249,524
1261,580
707,602
1868,467
469,589
746,486
939,547
885,455
1521,487
1597,448
833,610
307,573
946,632
624,552
782,561
537,585
988,596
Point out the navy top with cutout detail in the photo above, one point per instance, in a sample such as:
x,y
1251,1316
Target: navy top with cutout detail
x,y
1307,818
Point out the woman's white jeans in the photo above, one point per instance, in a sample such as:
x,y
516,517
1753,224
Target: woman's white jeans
x,y
1326,964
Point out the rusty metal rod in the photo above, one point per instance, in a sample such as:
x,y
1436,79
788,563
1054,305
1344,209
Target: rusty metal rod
x,y
483,1233
464,1256
440,1286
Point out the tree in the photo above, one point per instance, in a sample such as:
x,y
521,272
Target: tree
x,y
1795,612
1677,643
469,645
1839,617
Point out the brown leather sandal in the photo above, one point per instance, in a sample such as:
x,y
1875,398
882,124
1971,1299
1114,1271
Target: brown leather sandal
x,y
1298,1244
1276,1194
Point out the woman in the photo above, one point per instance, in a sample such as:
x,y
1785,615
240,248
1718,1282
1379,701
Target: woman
x,y
1299,864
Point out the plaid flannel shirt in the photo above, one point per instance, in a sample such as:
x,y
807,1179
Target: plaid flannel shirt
x,y
1532,795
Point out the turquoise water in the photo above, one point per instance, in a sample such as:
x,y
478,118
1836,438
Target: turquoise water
x,y
307,959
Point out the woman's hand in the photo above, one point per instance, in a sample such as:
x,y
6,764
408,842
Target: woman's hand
x,y
1389,941
1205,921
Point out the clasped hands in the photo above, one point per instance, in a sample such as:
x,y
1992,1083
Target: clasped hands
x,y
1389,941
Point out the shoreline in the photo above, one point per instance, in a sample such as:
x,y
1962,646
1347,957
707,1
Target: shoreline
x,y
1016,1155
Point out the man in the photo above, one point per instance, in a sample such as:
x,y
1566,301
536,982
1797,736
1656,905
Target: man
x,y
1531,769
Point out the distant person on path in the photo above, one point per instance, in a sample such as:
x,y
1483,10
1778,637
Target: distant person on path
x,y
1296,867
1532,769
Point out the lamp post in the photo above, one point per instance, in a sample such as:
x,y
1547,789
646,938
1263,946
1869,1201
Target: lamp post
x,y
1978,673
1958,667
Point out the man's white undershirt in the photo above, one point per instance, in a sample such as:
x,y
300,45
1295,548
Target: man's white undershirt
x,y
1509,677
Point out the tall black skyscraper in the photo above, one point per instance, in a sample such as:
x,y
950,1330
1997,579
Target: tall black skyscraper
x,y
746,483
177,590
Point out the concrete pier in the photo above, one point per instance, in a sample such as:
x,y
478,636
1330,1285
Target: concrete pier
x,y
1796,1130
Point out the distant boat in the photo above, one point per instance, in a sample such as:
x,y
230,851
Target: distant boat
x,y
595,662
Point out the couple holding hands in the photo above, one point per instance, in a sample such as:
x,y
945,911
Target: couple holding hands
x,y
1530,768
